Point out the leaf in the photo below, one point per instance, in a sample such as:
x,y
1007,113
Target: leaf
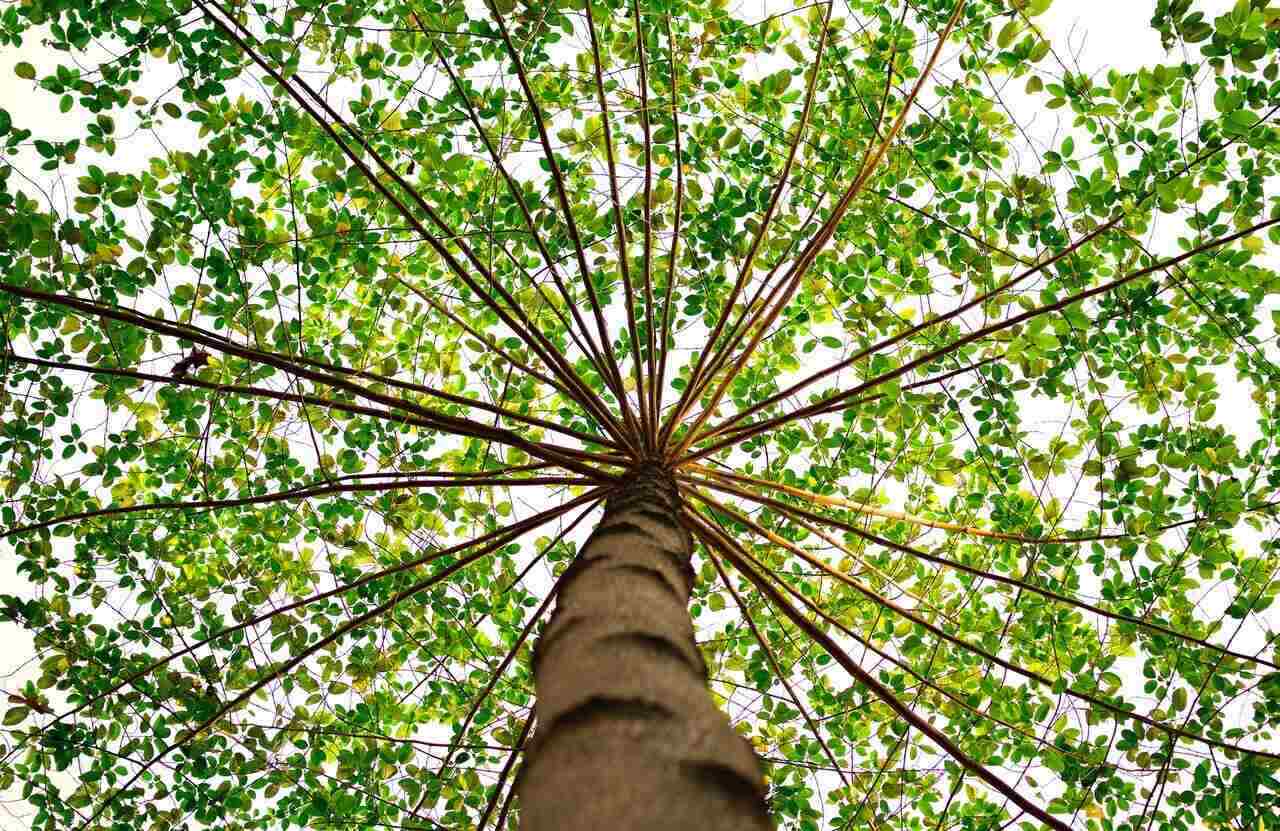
x,y
1007,33
269,380
124,198
24,70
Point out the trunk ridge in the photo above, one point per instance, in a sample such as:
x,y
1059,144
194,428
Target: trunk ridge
x,y
628,737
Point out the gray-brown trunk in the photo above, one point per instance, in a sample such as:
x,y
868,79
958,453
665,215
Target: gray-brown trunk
x,y
628,738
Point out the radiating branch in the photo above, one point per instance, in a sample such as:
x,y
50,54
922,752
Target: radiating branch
x,y
288,666
496,674
793,510
934,354
490,540
912,519
696,382
781,295
502,778
660,382
619,224
590,348
720,543
441,421
519,323
313,400
650,313
777,669
566,209
305,492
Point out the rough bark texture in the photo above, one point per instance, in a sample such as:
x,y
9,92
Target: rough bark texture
x,y
628,737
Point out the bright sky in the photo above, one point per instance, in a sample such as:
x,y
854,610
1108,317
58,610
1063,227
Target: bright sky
x,y
1100,34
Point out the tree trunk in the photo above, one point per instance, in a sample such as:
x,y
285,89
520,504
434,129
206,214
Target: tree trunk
x,y
628,737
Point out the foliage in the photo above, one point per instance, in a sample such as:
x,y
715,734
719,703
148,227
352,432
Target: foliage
x,y
334,321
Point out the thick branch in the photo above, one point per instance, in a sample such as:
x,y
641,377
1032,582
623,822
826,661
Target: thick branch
x,y
562,195
696,383
619,223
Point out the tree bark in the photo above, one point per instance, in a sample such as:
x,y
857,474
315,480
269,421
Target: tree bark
x,y
628,736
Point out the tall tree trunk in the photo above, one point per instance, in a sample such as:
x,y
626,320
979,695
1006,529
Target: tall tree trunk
x,y
628,738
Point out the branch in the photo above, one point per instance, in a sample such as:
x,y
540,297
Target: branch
x,y
932,355
517,194
498,537
689,394
285,668
305,492
441,421
527,331
1034,269
496,674
620,228
792,281
716,540
502,777
907,668
651,434
672,274
302,398
562,196
777,669
864,508
986,575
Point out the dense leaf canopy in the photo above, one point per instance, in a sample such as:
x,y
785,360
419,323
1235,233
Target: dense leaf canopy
x,y
329,324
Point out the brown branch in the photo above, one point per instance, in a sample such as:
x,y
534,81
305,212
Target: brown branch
x,y
1031,675
865,508
590,349
305,492
1034,269
905,666
562,196
287,666
920,554
510,656
500,536
651,434
189,381
690,392
527,331
502,778
489,342
867,399
932,355
717,541
788,286
776,667
441,421
620,228
672,273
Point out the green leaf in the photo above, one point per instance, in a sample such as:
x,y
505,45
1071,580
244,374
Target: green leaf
x,y
1007,33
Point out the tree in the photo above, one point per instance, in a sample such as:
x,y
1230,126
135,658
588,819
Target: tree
x,y
664,414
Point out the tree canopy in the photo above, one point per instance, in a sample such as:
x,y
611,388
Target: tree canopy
x,y
329,324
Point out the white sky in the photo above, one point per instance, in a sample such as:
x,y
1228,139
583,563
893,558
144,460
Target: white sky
x,y
1101,34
